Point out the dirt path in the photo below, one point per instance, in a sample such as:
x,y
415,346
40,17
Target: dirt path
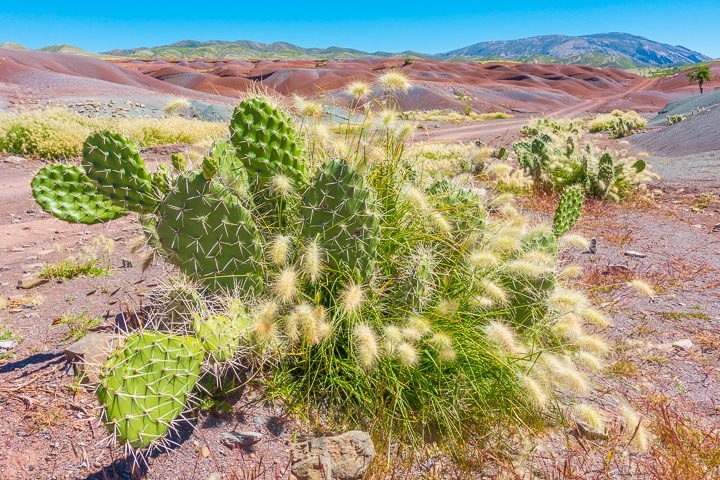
x,y
496,131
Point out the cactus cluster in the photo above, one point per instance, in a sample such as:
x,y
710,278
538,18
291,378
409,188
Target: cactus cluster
x,y
555,156
371,288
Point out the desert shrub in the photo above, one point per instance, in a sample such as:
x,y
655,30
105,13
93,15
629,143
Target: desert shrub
x,y
618,123
178,106
92,261
451,116
56,133
370,296
556,155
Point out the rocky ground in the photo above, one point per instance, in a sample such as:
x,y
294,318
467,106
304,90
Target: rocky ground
x,y
665,364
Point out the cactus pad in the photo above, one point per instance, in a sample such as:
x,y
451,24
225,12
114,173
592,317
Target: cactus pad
x,y
114,163
145,385
337,211
219,336
207,232
568,210
68,194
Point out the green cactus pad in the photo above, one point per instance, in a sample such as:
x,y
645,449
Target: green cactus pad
x,y
219,335
267,144
206,231
68,194
145,384
114,163
568,210
606,173
337,211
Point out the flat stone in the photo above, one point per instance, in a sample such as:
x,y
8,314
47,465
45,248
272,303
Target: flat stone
x,y
633,253
15,160
87,354
343,457
31,281
237,439
7,345
684,344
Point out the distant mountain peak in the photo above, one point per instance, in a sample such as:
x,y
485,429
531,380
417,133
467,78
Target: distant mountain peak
x,y
639,50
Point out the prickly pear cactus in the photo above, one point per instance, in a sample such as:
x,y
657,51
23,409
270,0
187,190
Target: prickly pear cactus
x,y
337,211
606,174
113,162
145,384
68,194
219,335
206,231
568,210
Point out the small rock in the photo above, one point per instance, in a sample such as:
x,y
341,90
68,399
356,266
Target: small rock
x,y
716,227
7,345
31,281
633,253
343,457
684,344
205,452
126,263
586,431
85,355
15,160
237,439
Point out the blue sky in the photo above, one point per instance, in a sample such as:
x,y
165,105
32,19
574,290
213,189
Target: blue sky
x,y
367,25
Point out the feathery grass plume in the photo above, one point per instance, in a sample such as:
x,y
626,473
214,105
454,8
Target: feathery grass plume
x,y
440,223
418,323
497,170
562,370
264,329
394,82
504,243
568,326
311,321
642,287
392,337
448,307
177,106
286,285
503,335
592,343
281,185
564,300
539,258
444,346
480,301
412,334
535,391
634,431
358,89
407,355
592,361
482,260
507,211
574,240
415,197
280,250
387,118
590,416
571,271
307,108
525,268
367,346
594,317
493,291
311,261
352,298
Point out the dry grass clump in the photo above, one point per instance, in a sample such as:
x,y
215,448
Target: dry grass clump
x,y
451,116
56,133
447,159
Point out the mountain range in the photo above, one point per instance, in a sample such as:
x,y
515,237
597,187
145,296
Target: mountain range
x,y
620,50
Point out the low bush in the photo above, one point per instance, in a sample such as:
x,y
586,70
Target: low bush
x,y
57,133
618,123
556,155
451,116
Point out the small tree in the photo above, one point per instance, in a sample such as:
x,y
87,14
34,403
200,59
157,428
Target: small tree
x,y
700,75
